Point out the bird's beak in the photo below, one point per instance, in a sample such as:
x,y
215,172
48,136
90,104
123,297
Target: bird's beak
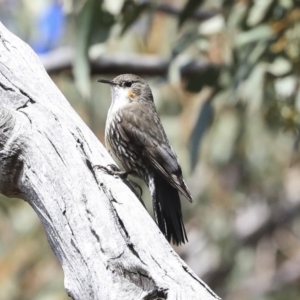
x,y
106,81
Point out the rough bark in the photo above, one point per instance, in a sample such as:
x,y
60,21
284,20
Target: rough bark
x,y
107,244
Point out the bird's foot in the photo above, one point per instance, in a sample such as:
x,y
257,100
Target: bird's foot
x,y
134,187
114,171
137,186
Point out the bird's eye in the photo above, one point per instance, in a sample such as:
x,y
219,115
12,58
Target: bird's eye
x,y
127,84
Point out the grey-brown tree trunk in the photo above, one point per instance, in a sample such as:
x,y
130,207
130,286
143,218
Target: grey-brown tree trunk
x,y
107,244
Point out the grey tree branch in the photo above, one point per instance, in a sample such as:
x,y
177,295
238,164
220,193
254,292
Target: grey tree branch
x,y
107,244
62,59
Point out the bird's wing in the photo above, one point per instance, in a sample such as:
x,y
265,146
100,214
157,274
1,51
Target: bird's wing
x,y
146,135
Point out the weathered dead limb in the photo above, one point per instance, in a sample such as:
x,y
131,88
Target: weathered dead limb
x,y
108,245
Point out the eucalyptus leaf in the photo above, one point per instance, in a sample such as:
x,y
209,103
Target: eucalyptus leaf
x,y
114,7
131,11
251,91
102,21
203,122
188,10
225,134
286,86
213,25
93,26
280,66
258,12
186,40
262,32
81,68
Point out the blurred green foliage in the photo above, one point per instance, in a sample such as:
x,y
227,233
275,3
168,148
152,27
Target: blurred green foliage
x,y
231,96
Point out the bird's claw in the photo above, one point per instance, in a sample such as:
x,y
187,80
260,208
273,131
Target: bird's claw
x,y
116,172
113,170
136,185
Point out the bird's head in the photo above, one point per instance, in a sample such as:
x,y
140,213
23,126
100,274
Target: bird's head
x,y
128,88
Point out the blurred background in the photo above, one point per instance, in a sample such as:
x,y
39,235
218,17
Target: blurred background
x,y
225,78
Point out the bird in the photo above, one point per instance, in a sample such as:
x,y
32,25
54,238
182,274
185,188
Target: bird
x,y
136,139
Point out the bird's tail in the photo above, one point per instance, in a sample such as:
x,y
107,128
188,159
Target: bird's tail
x,y
167,210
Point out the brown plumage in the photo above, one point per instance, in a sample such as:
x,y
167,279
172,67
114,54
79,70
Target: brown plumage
x,y
136,139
